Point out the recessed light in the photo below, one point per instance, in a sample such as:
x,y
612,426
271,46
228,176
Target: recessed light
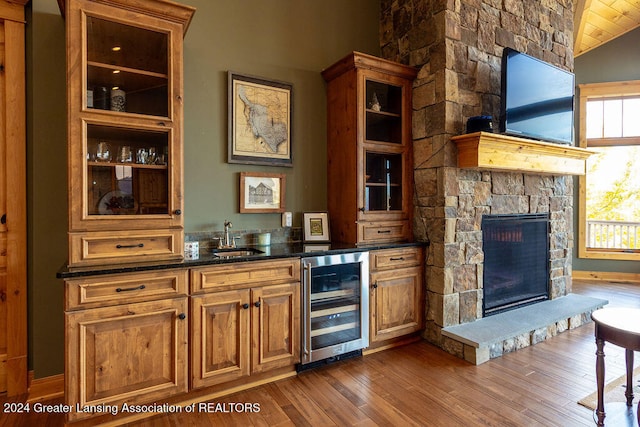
x,y
116,48
116,71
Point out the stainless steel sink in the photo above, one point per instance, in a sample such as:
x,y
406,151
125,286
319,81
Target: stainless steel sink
x,y
236,252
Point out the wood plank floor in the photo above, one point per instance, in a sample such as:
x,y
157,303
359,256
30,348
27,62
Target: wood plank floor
x,y
420,385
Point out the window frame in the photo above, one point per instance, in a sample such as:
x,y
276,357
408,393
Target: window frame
x,y
589,91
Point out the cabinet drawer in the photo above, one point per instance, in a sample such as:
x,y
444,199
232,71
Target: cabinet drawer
x,y
117,248
123,288
388,231
395,258
244,274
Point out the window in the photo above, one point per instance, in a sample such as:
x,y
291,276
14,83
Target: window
x,y
609,211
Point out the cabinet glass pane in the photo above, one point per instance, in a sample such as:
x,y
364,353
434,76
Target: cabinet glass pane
x,y
127,171
383,185
383,112
127,68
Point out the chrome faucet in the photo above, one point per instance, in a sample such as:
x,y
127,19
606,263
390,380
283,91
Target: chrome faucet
x,y
226,241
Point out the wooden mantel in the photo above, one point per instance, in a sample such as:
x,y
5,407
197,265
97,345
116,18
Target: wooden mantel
x,y
485,150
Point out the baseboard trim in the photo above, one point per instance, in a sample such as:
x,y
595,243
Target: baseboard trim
x,y
606,276
45,388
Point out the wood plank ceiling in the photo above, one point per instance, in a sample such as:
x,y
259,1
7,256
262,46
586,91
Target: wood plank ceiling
x,y
598,21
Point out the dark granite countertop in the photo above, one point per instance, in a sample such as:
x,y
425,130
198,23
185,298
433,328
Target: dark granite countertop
x,y
293,250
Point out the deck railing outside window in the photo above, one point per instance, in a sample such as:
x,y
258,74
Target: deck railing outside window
x,y
613,234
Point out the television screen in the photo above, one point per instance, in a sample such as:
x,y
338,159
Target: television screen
x,y
537,99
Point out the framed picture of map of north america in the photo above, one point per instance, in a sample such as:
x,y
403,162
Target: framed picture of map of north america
x,y
259,121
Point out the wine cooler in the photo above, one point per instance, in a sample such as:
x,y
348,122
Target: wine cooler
x,y
335,308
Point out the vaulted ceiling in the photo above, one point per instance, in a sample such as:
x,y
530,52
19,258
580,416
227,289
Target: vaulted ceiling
x,y
598,21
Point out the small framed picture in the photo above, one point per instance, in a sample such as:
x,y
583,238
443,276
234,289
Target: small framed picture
x,y
262,192
316,226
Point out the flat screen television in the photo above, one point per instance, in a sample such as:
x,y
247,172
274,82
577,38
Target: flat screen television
x,y
537,99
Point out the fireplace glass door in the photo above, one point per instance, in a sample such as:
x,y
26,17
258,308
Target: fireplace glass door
x,y
516,261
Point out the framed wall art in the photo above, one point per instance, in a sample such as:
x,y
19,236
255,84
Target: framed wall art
x,y
315,227
259,121
262,192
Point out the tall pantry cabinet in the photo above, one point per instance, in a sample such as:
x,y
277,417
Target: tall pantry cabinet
x,y
126,335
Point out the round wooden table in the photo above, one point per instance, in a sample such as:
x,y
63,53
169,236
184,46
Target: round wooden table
x,y
619,326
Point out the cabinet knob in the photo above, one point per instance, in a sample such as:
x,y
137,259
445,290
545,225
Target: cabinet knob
x,y
245,305
3,220
375,285
361,209
257,304
182,316
177,212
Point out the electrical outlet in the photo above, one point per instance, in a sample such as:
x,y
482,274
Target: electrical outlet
x,y
287,220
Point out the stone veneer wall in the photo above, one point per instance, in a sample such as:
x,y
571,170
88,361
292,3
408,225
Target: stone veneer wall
x,y
457,46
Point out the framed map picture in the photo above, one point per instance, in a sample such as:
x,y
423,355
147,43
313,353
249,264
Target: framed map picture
x,y
259,121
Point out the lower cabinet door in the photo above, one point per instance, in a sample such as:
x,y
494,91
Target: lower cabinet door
x,y
275,326
396,303
131,353
220,337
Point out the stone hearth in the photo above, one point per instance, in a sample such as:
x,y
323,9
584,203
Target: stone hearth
x,y
457,47
509,331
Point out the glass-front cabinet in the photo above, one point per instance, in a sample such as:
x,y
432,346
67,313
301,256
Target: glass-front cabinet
x,y
369,149
125,83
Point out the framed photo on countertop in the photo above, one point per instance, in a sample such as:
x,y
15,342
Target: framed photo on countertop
x,y
315,226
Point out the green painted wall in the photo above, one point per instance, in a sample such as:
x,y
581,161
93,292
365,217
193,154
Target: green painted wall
x,y
621,56
287,40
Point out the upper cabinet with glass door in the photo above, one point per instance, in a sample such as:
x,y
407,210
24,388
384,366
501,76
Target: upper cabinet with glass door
x,y
125,83
369,149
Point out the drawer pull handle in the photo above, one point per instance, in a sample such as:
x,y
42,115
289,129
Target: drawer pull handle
x,y
384,231
397,259
137,288
139,245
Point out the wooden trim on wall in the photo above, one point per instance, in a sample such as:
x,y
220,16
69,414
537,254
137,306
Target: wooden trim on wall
x,y
606,276
45,388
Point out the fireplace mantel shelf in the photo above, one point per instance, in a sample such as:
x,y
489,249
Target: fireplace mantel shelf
x,y
485,150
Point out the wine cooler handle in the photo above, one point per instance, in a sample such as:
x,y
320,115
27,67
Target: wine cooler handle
x,y
306,310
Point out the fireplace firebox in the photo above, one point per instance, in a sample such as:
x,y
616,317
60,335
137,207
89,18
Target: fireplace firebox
x,y
516,261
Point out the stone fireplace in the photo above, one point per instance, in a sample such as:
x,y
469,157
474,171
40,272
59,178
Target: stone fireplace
x,y
457,47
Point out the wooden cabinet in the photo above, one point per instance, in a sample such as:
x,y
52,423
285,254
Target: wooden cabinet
x,y
126,339
397,303
125,114
370,184
245,320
